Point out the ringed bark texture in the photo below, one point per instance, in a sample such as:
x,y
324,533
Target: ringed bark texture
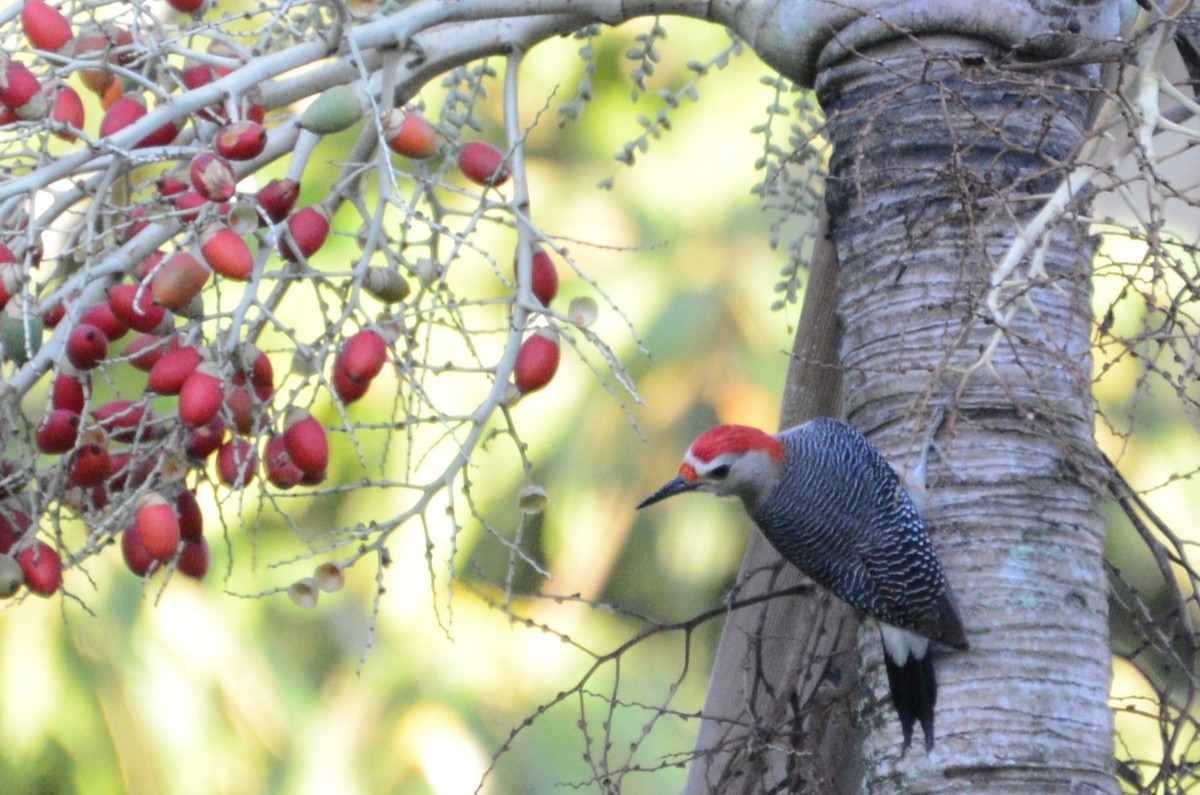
x,y
937,162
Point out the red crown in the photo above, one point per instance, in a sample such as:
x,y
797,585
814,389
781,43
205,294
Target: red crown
x,y
735,439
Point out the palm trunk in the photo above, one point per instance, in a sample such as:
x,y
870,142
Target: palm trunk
x,y
936,165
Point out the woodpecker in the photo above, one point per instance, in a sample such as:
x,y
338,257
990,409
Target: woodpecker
x,y
834,508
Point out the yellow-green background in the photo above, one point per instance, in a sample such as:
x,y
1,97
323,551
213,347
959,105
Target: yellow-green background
x,y
193,690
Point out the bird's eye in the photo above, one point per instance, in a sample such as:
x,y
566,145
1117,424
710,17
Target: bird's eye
x,y
719,473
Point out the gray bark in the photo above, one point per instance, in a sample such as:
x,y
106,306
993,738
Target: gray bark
x,y
934,167
937,162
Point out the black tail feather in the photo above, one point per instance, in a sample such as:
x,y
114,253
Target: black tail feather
x,y
914,692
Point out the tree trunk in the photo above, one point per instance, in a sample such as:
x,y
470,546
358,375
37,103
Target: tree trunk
x,y
937,163
795,650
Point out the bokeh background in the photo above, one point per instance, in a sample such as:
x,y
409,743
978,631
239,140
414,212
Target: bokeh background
x,y
131,687
134,687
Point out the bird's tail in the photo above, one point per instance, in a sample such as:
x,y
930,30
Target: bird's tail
x,y
909,664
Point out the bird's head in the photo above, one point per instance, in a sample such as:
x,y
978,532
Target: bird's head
x,y
727,460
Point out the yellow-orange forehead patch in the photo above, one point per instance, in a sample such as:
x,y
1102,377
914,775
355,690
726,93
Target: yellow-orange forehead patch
x,y
688,472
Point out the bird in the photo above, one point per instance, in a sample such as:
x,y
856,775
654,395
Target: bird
x,y
832,506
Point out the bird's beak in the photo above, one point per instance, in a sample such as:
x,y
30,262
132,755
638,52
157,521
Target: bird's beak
x,y
676,486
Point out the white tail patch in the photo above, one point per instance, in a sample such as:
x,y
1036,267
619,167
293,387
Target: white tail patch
x,y
900,643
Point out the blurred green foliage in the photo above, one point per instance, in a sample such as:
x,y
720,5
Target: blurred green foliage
x,y
178,688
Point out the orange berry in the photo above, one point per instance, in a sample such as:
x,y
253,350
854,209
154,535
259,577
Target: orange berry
x,y
409,134
178,281
483,164
227,253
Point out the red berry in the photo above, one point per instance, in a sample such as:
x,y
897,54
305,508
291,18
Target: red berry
x,y
348,390
13,526
314,477
253,362
169,373
101,316
124,112
253,112
58,432
544,281
236,462
307,229
191,519
409,134
197,74
141,469
160,137
483,164
133,306
242,408
42,568
213,177
537,361
174,182
200,397
50,317
92,465
306,441
280,469
121,419
86,346
195,558
278,197
118,477
158,526
22,92
137,557
68,110
188,204
67,393
45,27
145,350
11,275
227,253
241,140
186,6
133,224
204,441
363,355
90,45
